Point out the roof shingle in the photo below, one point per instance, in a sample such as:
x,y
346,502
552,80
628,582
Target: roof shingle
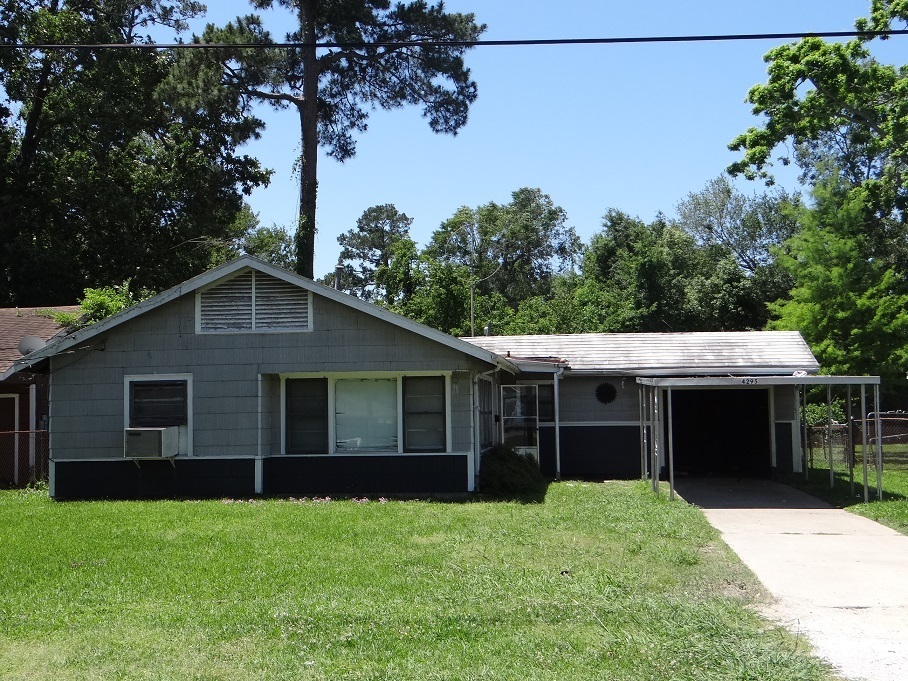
x,y
18,322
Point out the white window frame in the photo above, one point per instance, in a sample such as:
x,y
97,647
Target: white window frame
x,y
234,332
486,420
185,440
331,406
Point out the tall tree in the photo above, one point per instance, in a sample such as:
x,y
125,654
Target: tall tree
x,y
101,181
655,277
383,55
849,301
751,227
845,115
369,247
513,249
835,101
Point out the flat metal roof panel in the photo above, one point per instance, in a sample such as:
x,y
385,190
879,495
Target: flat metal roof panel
x,y
735,352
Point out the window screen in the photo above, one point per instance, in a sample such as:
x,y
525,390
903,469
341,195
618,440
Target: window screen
x,y
546,395
424,414
156,404
307,415
366,414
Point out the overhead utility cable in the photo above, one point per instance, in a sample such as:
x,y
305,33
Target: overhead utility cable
x,y
464,43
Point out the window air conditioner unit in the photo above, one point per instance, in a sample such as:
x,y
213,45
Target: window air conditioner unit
x,y
151,443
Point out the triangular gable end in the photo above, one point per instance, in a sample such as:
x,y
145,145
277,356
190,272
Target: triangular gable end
x,y
249,263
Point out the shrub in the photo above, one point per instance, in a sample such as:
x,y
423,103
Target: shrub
x,y
98,304
504,472
816,414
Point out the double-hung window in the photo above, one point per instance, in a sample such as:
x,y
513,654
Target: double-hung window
x,y
307,415
424,413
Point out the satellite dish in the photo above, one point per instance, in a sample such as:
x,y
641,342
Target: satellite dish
x,y
30,344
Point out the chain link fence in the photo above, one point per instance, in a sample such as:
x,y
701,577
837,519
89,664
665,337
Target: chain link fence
x,y
24,456
845,447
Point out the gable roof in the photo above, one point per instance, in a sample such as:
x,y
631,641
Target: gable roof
x,y
18,322
231,268
659,354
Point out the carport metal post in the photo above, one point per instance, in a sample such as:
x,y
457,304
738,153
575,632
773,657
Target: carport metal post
x,y
645,431
879,443
671,453
849,452
806,444
829,434
642,431
657,440
864,438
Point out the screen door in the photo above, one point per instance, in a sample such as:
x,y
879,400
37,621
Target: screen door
x,y
520,418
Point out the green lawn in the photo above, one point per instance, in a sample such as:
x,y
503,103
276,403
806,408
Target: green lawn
x,y
599,581
892,511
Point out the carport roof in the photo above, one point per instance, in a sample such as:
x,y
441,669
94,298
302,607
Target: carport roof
x,y
741,353
732,381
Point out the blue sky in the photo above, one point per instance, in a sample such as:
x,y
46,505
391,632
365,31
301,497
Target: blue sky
x,y
633,127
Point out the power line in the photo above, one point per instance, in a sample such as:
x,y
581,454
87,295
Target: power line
x,y
463,43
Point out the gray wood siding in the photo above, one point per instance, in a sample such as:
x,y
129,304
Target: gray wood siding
x,y
579,404
88,406
786,402
271,414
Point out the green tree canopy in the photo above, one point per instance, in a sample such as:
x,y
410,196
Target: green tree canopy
x,y
849,303
100,181
655,277
751,227
369,247
386,55
834,101
514,249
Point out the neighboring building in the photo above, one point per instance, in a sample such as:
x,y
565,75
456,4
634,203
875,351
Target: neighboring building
x,y
251,380
23,395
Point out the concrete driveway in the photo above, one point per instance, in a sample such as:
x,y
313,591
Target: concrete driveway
x,y
840,579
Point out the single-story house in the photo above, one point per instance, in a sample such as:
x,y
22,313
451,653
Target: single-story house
x,y
252,380
23,394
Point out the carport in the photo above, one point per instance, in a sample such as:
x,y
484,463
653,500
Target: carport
x,y
673,424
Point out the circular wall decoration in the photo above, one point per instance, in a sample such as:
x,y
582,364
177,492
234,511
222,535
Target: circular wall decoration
x,y
606,393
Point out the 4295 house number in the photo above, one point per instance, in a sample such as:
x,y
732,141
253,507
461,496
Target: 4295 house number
x,y
748,381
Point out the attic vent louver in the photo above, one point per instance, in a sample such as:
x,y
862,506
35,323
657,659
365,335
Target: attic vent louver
x,y
228,306
253,301
279,305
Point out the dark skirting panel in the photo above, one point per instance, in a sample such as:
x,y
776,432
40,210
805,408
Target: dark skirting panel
x,y
600,452
547,458
154,479
352,475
